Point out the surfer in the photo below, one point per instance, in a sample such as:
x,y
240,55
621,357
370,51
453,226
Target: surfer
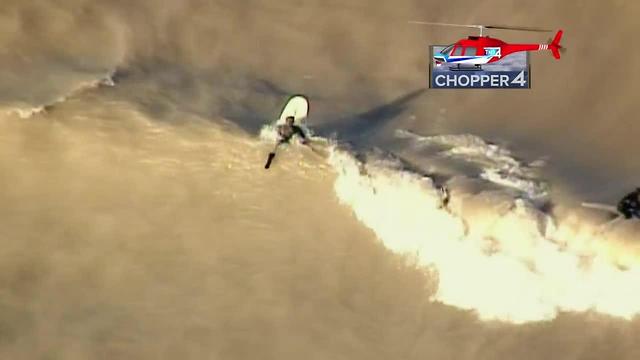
x,y
287,131
629,206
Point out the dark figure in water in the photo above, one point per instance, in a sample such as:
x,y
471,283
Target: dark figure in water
x,y
285,133
288,130
629,206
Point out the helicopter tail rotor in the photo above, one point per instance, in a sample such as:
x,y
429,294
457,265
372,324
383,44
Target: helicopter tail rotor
x,y
555,46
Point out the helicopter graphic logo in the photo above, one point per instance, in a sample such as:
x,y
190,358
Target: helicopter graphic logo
x,y
476,51
494,63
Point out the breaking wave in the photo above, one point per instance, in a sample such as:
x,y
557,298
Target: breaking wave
x,y
25,111
494,163
496,252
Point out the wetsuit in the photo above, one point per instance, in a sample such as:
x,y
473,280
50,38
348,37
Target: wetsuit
x,y
286,132
629,206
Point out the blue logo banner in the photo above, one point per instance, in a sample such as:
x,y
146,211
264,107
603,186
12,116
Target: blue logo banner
x,y
480,79
448,70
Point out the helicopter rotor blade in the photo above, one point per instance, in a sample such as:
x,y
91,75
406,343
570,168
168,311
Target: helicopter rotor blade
x,y
444,24
516,28
498,27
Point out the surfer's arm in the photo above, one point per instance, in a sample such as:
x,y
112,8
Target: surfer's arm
x,y
302,135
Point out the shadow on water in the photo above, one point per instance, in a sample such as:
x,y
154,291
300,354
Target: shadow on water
x,y
247,101
263,100
357,128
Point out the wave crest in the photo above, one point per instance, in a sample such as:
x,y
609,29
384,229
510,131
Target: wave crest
x,y
495,252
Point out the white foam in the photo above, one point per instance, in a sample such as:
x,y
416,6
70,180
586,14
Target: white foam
x,y
26,112
497,164
494,253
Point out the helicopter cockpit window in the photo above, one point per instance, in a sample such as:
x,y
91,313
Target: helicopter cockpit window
x,y
447,50
457,51
470,51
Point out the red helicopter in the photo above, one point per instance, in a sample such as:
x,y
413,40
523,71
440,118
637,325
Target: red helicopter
x,y
476,51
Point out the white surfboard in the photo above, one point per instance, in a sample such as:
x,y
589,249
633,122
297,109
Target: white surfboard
x,y
296,106
612,210
604,207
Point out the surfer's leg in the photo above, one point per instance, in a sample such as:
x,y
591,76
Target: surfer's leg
x,y
269,160
272,154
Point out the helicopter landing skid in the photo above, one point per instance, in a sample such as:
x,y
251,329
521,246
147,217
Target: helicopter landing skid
x,y
465,68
